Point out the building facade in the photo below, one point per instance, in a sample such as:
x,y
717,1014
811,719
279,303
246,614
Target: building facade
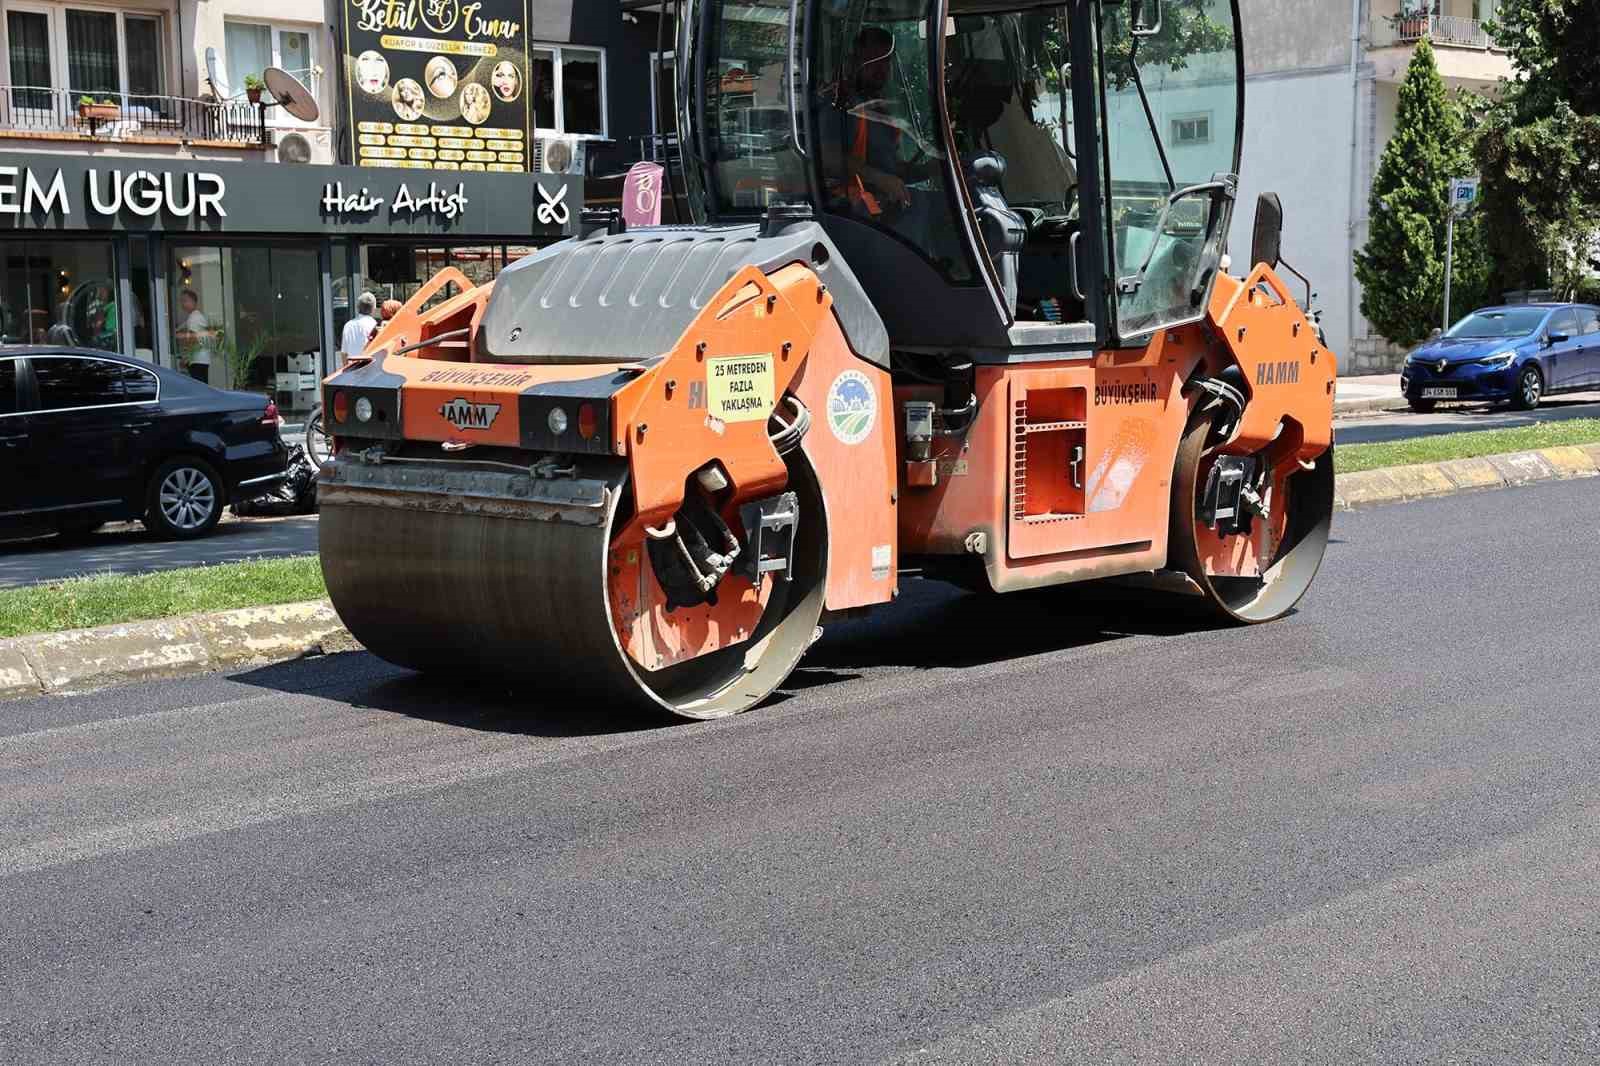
x,y
1322,90
148,198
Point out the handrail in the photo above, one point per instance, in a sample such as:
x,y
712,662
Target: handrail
x,y
130,116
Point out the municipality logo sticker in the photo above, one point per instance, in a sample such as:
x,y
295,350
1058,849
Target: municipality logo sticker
x,y
852,407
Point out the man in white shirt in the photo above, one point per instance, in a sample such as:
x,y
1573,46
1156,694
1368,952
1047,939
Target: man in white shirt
x,y
195,335
357,331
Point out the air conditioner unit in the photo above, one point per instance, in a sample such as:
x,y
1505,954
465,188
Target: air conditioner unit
x,y
294,148
560,155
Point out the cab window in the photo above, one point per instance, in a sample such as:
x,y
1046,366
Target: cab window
x,y
138,385
1564,323
877,132
1588,321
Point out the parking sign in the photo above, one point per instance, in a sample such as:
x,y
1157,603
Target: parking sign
x,y
1463,194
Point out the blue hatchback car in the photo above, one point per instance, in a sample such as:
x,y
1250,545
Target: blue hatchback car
x,y
1518,354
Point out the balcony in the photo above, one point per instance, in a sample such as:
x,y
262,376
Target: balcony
x,y
1467,56
42,113
1448,31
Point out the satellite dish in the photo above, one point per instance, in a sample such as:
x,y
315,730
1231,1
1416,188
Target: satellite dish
x,y
291,94
218,86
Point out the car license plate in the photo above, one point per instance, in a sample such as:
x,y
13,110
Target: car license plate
x,y
1439,392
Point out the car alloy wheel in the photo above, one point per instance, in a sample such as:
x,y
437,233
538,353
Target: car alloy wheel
x,y
1530,388
187,499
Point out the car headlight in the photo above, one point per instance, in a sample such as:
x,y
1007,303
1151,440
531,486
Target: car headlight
x,y
1499,360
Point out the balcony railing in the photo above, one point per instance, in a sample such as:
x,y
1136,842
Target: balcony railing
x,y
128,117
1450,30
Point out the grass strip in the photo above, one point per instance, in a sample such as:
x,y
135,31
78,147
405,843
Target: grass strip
x,y
1356,457
106,599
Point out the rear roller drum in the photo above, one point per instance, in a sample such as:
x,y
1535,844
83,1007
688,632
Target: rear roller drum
x,y
1259,574
531,601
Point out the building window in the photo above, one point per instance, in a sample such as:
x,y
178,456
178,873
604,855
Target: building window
x,y
1191,129
252,47
568,90
60,292
56,54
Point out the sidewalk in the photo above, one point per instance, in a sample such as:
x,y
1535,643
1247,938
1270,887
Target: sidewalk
x,y
1374,392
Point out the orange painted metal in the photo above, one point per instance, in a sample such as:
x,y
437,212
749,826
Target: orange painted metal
x,y
1289,375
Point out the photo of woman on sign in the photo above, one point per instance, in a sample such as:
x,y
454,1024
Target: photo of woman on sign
x,y
372,72
408,100
475,103
507,81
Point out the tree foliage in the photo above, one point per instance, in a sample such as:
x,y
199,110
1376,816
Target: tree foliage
x,y
1401,269
1538,146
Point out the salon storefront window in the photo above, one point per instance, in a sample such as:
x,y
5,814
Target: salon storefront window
x,y
61,292
249,317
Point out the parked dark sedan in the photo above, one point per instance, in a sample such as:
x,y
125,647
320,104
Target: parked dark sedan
x,y
87,438
1519,354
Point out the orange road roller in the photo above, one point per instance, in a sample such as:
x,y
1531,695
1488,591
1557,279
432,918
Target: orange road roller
x,y
951,295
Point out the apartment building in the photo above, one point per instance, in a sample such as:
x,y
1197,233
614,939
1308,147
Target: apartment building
x,y
1323,80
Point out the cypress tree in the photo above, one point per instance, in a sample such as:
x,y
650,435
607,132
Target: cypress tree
x,y
1401,269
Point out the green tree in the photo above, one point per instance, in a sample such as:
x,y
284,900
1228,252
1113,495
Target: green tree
x,y
1401,269
1536,145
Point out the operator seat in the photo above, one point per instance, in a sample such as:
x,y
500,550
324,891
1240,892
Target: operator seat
x,y
1004,231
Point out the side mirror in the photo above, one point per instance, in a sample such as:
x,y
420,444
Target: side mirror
x,y
1437,333
1267,244
1556,338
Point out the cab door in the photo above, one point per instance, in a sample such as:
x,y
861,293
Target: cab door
x,y
1588,346
1171,93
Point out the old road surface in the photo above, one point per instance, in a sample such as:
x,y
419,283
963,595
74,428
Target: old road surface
x,y
973,831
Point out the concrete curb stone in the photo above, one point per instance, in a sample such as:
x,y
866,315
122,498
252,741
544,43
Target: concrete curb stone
x,y
82,659
1469,474
1519,468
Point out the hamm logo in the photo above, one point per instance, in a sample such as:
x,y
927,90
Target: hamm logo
x,y
464,414
1286,372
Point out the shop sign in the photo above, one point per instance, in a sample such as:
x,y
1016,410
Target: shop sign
x,y
443,202
62,193
107,192
438,84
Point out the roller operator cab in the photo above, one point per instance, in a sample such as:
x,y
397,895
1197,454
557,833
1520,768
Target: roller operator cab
x,y
954,299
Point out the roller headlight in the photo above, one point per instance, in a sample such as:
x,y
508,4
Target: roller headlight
x,y
557,421
1499,360
363,409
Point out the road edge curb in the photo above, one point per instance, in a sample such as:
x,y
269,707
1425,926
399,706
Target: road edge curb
x,y
1393,484
82,660
79,660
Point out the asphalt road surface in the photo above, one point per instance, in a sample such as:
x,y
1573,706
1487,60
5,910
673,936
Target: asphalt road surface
x,y
972,830
1462,418
128,548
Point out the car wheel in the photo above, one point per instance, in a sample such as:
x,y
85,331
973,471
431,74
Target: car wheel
x,y
185,499
1530,389
1422,407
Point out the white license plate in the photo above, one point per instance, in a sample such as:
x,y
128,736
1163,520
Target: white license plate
x,y
1438,393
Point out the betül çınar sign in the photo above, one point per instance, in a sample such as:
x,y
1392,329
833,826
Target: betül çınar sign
x,y
49,192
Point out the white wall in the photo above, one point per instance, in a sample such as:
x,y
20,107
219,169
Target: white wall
x,y
205,21
1297,144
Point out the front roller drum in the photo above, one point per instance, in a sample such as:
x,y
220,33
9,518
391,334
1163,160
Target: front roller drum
x,y
489,588
1284,549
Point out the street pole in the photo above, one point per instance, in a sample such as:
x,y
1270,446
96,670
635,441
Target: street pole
x,y
1449,254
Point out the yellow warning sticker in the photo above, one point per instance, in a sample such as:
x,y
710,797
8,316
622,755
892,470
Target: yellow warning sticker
x,y
739,388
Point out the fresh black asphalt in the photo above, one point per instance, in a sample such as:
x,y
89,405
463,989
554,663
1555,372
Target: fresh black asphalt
x,y
972,830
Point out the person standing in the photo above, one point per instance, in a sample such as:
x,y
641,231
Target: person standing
x,y
195,336
357,331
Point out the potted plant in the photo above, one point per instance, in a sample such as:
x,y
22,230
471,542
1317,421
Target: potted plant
x,y
102,110
252,88
241,358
